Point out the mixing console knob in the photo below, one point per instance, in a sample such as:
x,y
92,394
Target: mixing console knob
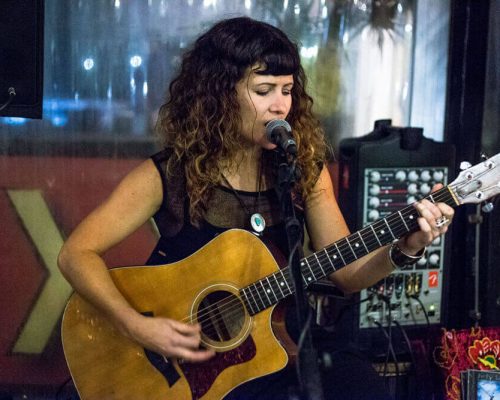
x,y
425,188
434,259
412,188
373,215
422,261
374,190
438,176
413,176
375,176
437,241
400,176
488,207
425,176
374,202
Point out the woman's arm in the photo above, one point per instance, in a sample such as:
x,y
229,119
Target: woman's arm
x,y
132,203
325,225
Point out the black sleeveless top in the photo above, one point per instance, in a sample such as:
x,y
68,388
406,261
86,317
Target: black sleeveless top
x,y
179,238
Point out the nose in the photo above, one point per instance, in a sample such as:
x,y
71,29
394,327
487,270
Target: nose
x,y
280,105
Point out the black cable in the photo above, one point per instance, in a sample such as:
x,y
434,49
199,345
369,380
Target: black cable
x,y
408,344
300,342
427,343
428,322
12,94
390,349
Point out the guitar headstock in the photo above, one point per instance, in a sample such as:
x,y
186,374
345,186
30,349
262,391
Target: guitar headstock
x,y
478,183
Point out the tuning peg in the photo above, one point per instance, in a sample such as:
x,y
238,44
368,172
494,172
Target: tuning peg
x,y
465,165
487,207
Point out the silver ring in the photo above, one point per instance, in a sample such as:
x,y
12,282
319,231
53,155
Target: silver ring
x,y
441,221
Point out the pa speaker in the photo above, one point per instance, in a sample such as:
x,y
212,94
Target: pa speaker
x,y
21,58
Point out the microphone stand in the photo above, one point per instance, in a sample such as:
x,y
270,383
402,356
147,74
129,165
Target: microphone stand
x,y
307,359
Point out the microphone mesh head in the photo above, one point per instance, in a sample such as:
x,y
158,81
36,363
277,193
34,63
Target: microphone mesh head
x,y
277,123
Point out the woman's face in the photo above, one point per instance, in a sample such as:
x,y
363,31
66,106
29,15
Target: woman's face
x,y
262,98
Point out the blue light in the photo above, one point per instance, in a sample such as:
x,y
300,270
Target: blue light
x,y
14,121
88,64
135,61
59,120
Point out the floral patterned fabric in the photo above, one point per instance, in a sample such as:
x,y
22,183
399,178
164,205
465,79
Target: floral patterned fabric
x,y
475,348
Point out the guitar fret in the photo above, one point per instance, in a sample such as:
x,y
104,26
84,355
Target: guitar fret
x,y
279,284
370,239
388,227
352,250
320,266
359,248
307,279
362,241
383,234
254,311
376,237
308,266
329,259
265,292
404,222
356,247
258,294
255,301
285,280
246,301
398,228
340,254
348,252
272,290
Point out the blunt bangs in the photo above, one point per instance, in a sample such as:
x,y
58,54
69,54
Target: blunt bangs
x,y
279,63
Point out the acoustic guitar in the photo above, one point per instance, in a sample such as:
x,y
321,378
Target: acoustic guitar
x,y
230,287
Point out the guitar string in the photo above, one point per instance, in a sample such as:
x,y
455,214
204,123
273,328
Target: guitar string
x,y
441,194
237,302
226,312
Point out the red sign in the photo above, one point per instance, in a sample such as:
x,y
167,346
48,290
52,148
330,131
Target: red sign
x,y
433,279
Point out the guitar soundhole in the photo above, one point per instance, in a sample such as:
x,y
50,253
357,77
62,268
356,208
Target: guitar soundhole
x,y
221,316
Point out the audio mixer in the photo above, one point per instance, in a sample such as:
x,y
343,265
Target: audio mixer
x,y
411,295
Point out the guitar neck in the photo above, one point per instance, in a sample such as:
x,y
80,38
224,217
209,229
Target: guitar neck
x,y
270,290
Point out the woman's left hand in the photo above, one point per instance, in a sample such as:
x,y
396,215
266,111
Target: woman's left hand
x,y
433,222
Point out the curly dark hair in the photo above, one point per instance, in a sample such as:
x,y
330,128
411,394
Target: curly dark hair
x,y
200,121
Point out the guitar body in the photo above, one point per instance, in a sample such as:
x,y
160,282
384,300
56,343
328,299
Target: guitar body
x,y
237,324
203,287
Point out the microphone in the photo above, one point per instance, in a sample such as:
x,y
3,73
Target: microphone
x,y
279,132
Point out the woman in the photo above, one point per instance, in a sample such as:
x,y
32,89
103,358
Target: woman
x,y
216,172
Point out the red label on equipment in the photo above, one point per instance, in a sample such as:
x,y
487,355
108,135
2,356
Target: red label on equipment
x,y
433,280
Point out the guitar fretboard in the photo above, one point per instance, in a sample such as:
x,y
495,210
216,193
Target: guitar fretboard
x,y
270,290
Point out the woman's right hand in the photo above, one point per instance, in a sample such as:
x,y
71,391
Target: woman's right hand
x,y
169,338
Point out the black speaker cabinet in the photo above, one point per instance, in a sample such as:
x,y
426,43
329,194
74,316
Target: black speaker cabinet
x,y
21,58
380,174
